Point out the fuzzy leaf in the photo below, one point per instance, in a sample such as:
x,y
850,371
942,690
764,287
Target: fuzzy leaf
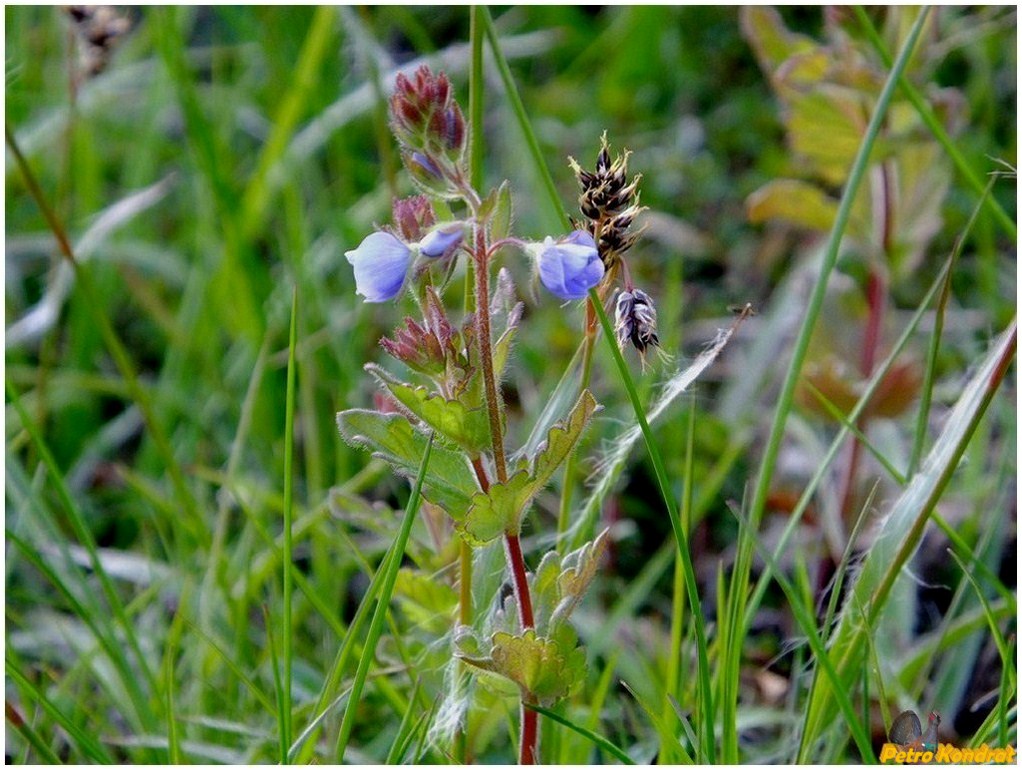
x,y
501,509
449,482
500,224
451,419
577,571
485,210
545,669
502,347
559,584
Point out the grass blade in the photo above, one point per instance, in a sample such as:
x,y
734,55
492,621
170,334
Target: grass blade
x,y
938,327
785,401
29,734
403,736
85,537
119,353
386,589
596,738
901,532
671,750
289,451
85,742
257,196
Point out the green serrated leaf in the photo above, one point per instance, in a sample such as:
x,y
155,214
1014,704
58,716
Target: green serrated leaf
x,y
501,509
559,584
490,515
449,482
577,571
500,224
562,439
546,670
451,419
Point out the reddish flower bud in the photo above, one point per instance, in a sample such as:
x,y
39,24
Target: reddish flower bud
x,y
443,89
413,216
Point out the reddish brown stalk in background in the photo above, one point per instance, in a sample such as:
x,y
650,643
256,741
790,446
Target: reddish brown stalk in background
x,y
876,298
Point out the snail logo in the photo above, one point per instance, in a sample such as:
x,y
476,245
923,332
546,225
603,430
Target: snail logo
x,y
907,732
909,744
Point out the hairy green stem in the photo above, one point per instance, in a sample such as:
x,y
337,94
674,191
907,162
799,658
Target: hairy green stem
x,y
513,548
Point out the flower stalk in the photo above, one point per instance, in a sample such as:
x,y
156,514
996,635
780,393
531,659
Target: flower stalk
x,y
512,544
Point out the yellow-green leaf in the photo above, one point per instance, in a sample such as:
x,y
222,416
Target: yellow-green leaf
x,y
790,200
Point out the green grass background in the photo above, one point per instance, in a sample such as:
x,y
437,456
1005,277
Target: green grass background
x,y
228,156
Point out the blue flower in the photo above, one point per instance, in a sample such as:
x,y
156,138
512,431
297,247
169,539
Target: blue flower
x,y
381,262
570,267
442,240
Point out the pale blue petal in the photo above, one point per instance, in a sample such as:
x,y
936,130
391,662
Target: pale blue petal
x,y
381,262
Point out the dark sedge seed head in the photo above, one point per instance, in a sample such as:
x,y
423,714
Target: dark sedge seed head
x,y
635,317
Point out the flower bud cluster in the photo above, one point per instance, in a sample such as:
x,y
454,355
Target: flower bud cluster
x,y
431,129
609,203
432,347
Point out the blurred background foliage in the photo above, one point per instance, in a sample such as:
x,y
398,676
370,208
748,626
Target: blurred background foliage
x,y
220,156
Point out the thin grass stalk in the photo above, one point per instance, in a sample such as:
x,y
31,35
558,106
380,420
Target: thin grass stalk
x,y
106,638
88,745
901,531
923,419
294,100
678,586
302,750
212,157
84,535
557,207
32,738
289,452
707,747
278,686
942,278
815,304
382,603
806,621
519,110
597,739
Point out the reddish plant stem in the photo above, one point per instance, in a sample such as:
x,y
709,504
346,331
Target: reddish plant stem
x,y
530,737
513,548
876,298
